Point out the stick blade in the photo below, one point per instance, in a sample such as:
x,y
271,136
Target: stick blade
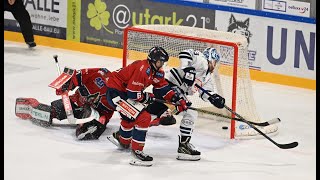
x,y
288,146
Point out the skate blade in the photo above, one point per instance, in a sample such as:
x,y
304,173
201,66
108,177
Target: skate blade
x,y
114,141
136,162
187,157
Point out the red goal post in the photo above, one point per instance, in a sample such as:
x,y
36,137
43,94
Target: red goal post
x,y
232,77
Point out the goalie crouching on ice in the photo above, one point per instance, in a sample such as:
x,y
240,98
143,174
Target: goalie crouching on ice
x,y
193,65
86,99
106,92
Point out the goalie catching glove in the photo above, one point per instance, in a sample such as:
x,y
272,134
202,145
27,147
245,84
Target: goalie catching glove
x,y
217,100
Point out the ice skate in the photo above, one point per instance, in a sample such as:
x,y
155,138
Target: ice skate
x,y
140,159
115,139
187,152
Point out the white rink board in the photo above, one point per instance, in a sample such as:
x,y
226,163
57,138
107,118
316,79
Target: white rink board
x,y
289,51
32,152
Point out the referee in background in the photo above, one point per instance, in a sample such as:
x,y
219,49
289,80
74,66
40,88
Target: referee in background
x,y
18,10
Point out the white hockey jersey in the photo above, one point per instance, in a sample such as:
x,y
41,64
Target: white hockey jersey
x,y
195,59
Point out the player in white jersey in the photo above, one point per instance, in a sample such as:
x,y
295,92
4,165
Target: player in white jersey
x,y
194,65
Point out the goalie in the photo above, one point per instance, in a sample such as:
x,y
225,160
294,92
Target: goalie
x,y
193,65
86,99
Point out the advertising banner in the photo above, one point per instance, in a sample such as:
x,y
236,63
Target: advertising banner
x,y
289,7
277,46
248,4
103,21
48,18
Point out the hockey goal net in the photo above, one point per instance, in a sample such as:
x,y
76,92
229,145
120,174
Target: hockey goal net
x,y
231,76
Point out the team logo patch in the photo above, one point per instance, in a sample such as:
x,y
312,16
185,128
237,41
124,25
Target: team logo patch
x,y
99,82
239,27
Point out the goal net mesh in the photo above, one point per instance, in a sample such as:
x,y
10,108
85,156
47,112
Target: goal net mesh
x,y
231,76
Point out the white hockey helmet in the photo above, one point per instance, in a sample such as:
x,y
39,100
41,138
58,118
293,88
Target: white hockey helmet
x,y
211,54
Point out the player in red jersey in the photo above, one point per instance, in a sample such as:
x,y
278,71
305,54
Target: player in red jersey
x,y
87,98
126,95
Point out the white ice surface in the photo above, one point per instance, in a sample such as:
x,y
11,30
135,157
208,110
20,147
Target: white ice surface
x,y
35,153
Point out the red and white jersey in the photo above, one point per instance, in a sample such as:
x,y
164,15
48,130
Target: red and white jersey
x,y
91,89
136,77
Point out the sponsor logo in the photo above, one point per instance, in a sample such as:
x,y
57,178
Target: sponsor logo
x,y
300,9
235,1
66,102
187,122
61,80
243,126
141,67
137,83
40,115
159,74
148,71
122,17
127,108
98,15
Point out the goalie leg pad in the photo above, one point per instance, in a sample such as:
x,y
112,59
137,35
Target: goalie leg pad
x,y
30,108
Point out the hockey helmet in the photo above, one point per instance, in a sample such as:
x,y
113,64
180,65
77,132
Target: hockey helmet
x,y
211,54
157,53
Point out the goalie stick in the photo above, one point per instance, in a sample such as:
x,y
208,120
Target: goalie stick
x,y
65,98
282,146
56,84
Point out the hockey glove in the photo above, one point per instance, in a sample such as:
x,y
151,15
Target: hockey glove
x,y
148,98
189,76
181,105
217,101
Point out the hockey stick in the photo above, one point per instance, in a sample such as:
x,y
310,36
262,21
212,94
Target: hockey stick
x,y
282,146
65,98
266,123
57,84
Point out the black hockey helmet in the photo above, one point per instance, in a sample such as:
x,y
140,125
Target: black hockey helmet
x,y
157,53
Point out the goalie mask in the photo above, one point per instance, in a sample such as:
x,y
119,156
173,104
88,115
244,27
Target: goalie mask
x,y
211,54
157,57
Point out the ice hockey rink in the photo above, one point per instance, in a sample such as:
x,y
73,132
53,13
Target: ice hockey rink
x,y
37,153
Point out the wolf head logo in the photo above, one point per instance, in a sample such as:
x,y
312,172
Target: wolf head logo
x,y
239,27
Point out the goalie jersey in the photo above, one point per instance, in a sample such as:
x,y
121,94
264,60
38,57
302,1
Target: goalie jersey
x,y
193,69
